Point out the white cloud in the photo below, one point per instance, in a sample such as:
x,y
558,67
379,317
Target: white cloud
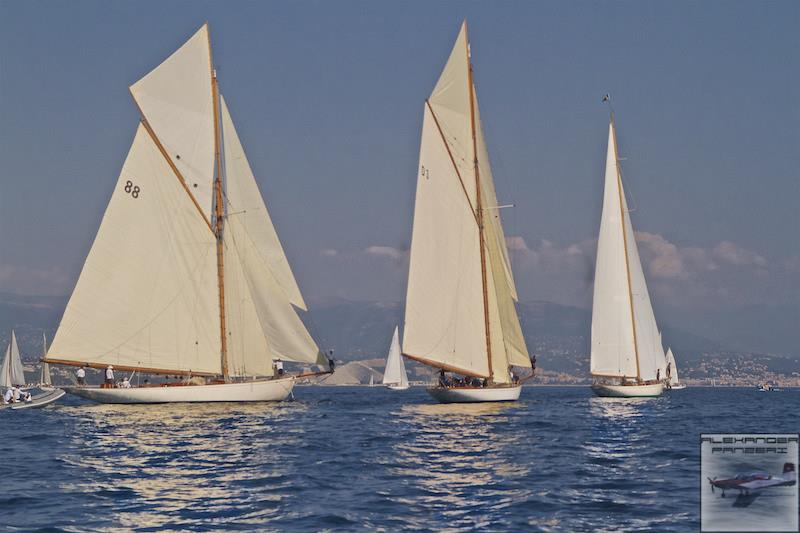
x,y
736,255
386,251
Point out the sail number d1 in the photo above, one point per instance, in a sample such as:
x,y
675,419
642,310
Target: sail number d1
x,y
132,189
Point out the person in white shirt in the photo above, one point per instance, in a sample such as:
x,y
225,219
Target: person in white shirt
x,y
126,383
80,374
8,396
110,376
279,367
15,393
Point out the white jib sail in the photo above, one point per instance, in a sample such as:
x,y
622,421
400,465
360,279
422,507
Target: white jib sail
x,y
44,379
176,100
445,312
621,302
673,379
395,372
147,295
11,372
265,286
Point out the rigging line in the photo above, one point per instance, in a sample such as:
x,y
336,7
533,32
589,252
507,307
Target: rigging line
x,y
453,161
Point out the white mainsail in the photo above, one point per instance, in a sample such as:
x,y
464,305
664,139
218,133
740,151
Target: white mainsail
x,y
395,371
625,338
11,371
673,376
147,294
44,378
154,293
446,314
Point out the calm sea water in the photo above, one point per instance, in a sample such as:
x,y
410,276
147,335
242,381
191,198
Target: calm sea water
x,y
357,458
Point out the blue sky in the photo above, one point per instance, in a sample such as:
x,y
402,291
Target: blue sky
x,y
327,97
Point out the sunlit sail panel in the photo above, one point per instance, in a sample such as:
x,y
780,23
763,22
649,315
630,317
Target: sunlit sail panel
x,y
612,352
246,203
176,100
147,294
444,319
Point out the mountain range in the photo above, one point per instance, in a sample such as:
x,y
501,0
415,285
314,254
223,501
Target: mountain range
x,y
357,330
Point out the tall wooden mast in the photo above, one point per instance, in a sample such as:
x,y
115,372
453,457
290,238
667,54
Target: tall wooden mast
x,y
625,243
219,223
479,207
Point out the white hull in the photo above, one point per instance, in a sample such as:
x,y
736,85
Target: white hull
x,y
273,390
628,391
475,395
397,386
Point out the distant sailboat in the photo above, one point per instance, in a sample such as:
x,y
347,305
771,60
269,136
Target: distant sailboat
x,y
460,314
44,379
394,376
11,373
186,276
672,372
627,358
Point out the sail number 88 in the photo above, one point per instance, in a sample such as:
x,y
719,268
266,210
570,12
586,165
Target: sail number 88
x,y
132,189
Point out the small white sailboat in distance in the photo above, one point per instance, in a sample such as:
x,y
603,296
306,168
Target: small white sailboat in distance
x,y
12,374
186,276
672,372
460,315
394,375
626,353
45,382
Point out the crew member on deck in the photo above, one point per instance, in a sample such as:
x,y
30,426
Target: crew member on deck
x,y
8,396
80,375
110,376
331,362
658,374
126,383
279,367
15,393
